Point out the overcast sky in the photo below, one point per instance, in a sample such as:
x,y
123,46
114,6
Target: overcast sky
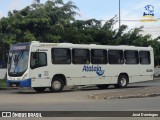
x,y
102,10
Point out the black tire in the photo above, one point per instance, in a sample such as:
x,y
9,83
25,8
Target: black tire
x,y
57,85
39,89
122,82
102,86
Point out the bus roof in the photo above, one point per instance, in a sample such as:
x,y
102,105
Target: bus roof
x,y
88,46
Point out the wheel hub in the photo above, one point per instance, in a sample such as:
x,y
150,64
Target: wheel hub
x,y
123,81
56,85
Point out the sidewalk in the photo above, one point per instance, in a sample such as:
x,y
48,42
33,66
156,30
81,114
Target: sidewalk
x,y
127,93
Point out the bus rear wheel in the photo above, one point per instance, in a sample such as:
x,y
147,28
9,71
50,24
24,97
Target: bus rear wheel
x,y
39,89
122,81
57,85
102,86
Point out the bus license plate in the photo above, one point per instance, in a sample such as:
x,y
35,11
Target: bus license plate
x,y
14,85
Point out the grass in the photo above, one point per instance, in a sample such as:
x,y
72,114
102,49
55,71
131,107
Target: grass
x,y
3,83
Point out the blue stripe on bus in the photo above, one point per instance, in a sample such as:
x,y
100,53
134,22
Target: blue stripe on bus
x,y
21,83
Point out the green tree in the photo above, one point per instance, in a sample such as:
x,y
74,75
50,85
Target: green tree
x,y
54,21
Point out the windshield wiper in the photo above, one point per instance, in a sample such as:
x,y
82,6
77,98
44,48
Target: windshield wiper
x,y
17,58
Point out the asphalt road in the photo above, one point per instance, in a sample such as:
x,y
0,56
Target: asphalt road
x,y
76,100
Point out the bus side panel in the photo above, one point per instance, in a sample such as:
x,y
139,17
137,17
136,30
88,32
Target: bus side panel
x,y
102,76
131,70
71,73
113,71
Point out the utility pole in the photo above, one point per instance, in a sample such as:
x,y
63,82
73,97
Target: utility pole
x,y
36,1
119,14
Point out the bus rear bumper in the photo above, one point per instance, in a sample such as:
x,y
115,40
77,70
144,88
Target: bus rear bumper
x,y
20,83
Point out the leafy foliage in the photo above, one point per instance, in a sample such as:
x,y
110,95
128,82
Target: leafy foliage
x,y
55,21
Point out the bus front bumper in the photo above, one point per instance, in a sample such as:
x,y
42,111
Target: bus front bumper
x,y
20,83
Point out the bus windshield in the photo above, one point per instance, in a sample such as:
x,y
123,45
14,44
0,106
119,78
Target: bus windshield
x,y
18,61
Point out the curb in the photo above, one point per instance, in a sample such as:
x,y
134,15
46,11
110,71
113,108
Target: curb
x,y
97,97
126,93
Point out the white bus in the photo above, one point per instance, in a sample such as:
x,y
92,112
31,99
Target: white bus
x,y
55,65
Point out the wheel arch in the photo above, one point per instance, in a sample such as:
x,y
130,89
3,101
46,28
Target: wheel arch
x,y
60,76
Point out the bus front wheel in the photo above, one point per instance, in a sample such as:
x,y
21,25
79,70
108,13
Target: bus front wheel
x,y
122,81
57,85
39,89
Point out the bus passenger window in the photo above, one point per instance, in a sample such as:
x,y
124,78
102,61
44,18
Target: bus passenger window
x,y
144,57
115,56
131,57
98,56
61,56
81,56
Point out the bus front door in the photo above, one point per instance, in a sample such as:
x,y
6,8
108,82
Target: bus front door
x,y
39,68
